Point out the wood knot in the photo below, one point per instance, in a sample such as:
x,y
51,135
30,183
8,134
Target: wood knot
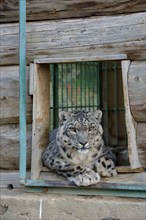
x,y
136,78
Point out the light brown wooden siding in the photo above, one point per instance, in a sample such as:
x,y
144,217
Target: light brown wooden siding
x,y
9,146
58,9
99,36
141,142
9,98
137,90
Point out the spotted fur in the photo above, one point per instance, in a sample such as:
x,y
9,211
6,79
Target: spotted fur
x,y
77,151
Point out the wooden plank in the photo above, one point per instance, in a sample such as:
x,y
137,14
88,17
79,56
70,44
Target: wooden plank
x,y
137,90
120,169
41,105
83,58
31,79
9,146
98,37
130,123
141,143
9,97
127,169
127,178
12,178
47,9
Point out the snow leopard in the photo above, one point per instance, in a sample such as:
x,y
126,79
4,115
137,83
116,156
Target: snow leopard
x,y
77,151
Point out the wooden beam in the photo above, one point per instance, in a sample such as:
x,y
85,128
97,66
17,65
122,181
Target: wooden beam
x,y
9,146
127,169
12,177
98,37
83,58
137,90
41,105
9,100
130,123
56,9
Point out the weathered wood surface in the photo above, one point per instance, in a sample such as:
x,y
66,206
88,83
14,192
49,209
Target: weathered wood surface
x,y
48,9
98,36
9,97
141,143
10,180
130,123
137,90
9,146
41,109
120,169
127,178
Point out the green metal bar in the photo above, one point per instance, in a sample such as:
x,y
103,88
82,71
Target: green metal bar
x,y
101,185
81,85
90,192
116,101
55,95
66,73
76,85
71,85
22,79
98,86
91,66
62,85
106,129
85,85
89,82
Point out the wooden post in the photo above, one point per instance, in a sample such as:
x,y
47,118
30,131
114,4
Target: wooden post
x,y
41,105
130,123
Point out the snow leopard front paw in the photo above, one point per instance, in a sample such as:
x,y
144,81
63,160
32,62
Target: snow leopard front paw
x,y
106,167
86,179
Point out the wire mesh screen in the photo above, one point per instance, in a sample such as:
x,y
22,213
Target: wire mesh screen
x,y
90,86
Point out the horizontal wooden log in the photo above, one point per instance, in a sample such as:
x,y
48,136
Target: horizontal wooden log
x,y
98,36
141,143
9,97
137,90
47,9
9,146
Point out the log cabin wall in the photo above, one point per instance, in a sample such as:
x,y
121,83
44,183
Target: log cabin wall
x,y
68,28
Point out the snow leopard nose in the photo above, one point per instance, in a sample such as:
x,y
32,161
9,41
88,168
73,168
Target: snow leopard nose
x,y
83,143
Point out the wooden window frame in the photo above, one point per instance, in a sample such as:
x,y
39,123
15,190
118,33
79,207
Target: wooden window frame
x,y
40,89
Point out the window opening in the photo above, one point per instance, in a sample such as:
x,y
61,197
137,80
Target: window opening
x,y
91,86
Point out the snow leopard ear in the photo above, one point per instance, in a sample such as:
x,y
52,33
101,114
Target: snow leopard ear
x,y
98,115
63,116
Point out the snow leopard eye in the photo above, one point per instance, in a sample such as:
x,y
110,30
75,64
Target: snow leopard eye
x,y
72,129
91,128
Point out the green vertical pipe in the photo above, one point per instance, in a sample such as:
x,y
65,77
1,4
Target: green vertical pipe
x,y
22,89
